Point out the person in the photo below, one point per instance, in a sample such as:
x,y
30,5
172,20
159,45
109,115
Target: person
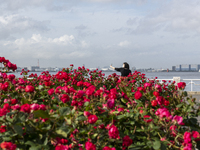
x,y
125,71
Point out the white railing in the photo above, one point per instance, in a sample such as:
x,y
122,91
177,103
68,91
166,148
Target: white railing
x,y
178,79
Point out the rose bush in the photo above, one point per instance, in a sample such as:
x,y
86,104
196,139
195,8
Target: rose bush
x,y
82,109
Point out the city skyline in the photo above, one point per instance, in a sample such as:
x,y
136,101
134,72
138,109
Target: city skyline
x,y
144,33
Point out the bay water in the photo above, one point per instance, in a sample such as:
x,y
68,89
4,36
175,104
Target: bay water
x,y
159,75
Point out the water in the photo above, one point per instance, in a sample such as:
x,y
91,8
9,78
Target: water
x,y
159,75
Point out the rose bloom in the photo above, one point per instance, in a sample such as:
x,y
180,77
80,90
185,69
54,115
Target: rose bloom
x,y
127,141
64,98
25,108
138,95
113,132
35,106
187,137
108,148
147,118
92,119
3,129
8,146
87,114
51,91
154,103
110,103
29,88
181,85
62,147
155,93
90,146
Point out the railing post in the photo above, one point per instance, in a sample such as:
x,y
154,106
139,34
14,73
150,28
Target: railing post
x,y
177,80
191,85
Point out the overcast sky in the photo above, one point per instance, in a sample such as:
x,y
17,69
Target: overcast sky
x,y
144,33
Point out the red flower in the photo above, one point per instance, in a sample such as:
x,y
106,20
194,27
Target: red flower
x,y
108,148
92,119
110,103
138,95
127,141
29,88
113,132
154,103
64,98
181,85
166,103
90,146
51,91
8,146
155,93
146,118
25,108
3,129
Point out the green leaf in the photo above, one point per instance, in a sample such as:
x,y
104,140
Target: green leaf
x,y
120,116
22,116
163,147
86,104
30,143
40,87
81,118
7,138
18,129
64,111
41,113
179,105
156,144
61,132
124,100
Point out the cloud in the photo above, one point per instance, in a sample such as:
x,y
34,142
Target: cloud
x,y
15,24
124,44
81,27
177,16
46,48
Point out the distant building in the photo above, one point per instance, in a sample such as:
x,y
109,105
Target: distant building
x,y
33,68
187,67
173,68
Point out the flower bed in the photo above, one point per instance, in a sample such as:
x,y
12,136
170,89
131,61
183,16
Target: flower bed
x,y
82,109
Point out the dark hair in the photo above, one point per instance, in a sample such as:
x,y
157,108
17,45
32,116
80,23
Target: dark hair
x,y
126,65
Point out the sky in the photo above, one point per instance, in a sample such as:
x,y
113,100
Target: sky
x,y
97,33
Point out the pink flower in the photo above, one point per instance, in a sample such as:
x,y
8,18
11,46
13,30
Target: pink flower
x,y
110,103
90,146
35,106
16,107
179,119
113,132
92,119
163,112
187,137
87,114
